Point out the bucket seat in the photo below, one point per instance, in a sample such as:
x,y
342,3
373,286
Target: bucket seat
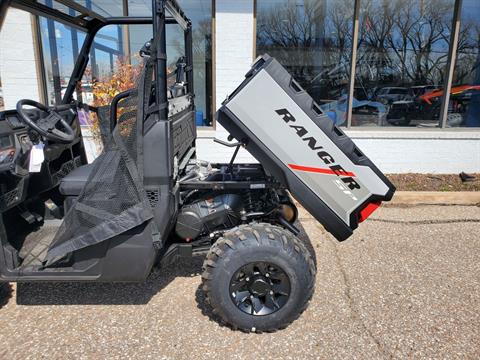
x,y
74,182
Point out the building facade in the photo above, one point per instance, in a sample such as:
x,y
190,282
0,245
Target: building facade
x,y
401,76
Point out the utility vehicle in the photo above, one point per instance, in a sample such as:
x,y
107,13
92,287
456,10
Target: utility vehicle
x,y
148,199
425,105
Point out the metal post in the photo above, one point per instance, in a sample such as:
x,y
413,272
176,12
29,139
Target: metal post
x,y
93,56
452,56
189,54
160,46
57,86
74,35
126,35
353,63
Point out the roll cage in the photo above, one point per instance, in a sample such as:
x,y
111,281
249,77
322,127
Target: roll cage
x,y
91,22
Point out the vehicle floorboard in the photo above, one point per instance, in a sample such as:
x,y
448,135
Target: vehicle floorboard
x,y
36,243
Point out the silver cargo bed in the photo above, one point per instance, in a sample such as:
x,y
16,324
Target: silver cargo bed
x,y
286,131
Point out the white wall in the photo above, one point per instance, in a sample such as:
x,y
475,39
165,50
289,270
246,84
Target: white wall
x,y
392,150
428,151
17,59
234,36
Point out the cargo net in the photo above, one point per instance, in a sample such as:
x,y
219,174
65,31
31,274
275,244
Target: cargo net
x,y
113,199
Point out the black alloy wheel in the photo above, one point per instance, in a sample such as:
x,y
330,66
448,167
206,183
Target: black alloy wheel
x,y
260,288
258,277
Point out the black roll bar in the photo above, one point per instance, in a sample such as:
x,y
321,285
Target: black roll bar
x,y
39,9
91,26
83,57
160,54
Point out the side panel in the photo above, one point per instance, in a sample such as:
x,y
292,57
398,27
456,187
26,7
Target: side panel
x,y
126,257
287,132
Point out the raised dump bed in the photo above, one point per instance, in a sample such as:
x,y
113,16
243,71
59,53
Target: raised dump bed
x,y
286,131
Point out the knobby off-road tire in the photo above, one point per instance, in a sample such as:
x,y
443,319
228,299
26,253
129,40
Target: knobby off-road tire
x,y
266,249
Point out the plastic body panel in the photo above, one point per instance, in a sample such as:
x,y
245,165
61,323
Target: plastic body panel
x,y
128,257
286,131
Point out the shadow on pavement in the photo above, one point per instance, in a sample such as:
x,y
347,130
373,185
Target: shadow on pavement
x,y
86,293
5,293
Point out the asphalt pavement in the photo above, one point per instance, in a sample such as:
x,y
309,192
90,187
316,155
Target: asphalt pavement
x,y
406,285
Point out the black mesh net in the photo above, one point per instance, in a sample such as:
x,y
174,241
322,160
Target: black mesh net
x,y
103,120
114,199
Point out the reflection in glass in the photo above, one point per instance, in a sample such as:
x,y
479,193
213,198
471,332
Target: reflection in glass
x,y
60,46
401,61
464,105
312,39
200,13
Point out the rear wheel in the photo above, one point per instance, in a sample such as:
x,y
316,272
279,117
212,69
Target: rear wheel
x,y
258,277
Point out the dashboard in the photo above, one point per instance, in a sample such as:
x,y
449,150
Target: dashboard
x,y
16,143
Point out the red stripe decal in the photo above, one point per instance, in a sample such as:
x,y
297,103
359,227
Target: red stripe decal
x,y
319,170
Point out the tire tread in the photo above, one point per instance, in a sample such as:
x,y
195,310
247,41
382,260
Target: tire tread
x,y
237,237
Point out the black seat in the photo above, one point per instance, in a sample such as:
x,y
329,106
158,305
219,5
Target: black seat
x,y
73,183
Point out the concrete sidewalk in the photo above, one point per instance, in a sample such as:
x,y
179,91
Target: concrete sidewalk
x,y
435,198
406,285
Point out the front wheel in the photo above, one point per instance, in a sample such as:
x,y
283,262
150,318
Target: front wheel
x,y
258,277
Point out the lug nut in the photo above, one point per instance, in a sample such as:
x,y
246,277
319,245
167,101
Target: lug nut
x,y
267,275
271,292
247,279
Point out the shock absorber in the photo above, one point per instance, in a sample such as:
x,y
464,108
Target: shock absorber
x,y
247,201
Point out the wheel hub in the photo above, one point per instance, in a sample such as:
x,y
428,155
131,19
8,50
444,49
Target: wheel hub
x,y
260,288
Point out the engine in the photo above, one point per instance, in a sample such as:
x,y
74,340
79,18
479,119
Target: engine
x,y
204,216
211,210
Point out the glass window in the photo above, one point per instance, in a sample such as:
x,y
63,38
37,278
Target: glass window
x,y
200,13
464,104
60,48
115,63
401,62
2,104
102,7
115,46
312,39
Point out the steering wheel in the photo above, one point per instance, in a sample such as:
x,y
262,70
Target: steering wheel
x,y
47,125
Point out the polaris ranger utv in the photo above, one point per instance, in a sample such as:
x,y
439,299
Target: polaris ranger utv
x,y
148,199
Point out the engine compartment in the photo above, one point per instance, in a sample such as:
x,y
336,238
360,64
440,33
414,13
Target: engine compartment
x,y
216,197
